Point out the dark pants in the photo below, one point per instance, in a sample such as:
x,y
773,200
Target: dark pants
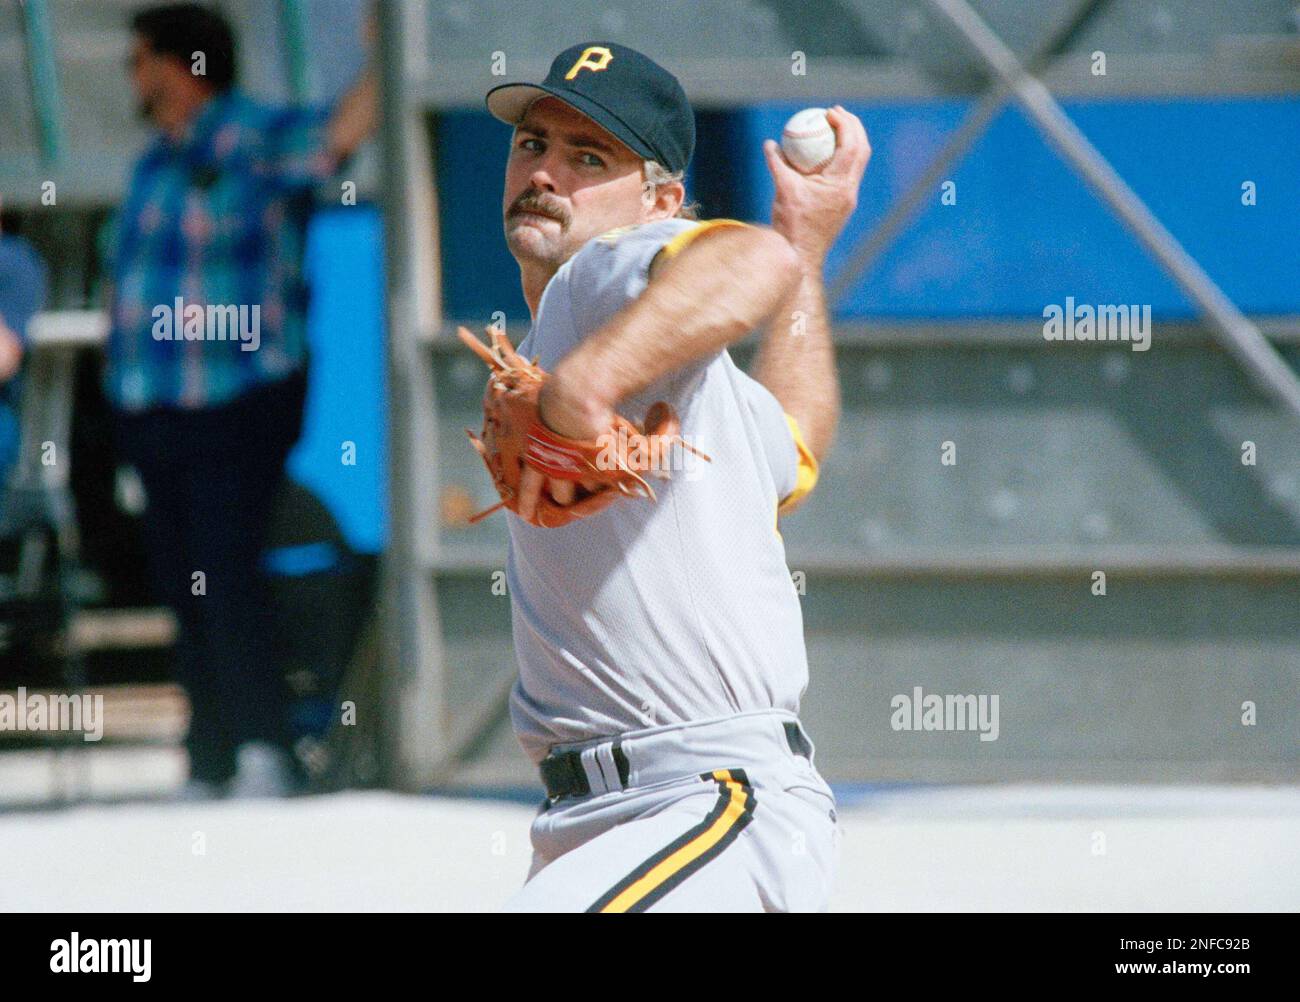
x,y
211,477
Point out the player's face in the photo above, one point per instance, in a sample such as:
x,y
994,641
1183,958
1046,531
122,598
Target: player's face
x,y
567,181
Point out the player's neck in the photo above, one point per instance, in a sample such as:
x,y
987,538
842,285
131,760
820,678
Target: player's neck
x,y
534,276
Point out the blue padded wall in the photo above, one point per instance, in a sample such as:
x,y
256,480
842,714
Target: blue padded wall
x,y
1025,231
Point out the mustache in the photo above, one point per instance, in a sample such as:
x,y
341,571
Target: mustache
x,y
536,201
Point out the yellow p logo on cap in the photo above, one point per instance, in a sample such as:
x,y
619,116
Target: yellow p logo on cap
x,y
586,61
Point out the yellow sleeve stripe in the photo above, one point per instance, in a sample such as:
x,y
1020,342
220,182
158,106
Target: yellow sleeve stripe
x,y
683,240
806,478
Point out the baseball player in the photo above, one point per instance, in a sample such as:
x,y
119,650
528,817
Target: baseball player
x,y
660,643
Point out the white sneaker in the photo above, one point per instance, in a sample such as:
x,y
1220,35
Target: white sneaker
x,y
262,770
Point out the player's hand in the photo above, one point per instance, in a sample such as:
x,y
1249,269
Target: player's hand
x,y
571,410
11,352
810,210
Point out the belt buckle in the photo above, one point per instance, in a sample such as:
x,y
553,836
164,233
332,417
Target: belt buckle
x,y
564,769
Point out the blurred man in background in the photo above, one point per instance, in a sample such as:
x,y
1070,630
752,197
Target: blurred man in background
x,y
22,293
207,410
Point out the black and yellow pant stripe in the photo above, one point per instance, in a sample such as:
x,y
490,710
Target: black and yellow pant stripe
x,y
671,865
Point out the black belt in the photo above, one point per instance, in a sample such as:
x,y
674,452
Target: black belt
x,y
563,775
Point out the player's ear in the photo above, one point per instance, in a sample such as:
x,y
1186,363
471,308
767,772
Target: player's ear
x,y
661,201
649,194
674,195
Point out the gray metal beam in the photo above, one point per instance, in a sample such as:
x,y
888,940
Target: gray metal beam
x,y
413,728
1172,560
926,333
728,82
1238,335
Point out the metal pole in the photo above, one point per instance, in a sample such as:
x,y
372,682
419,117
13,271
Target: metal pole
x,y
293,25
1239,336
44,78
413,724
874,243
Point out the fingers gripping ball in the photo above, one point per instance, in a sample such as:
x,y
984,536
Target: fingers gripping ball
x,y
613,466
808,141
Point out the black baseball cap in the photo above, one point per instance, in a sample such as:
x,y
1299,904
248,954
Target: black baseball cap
x,y
621,90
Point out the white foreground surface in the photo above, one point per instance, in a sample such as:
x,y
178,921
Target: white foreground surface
x,y
958,848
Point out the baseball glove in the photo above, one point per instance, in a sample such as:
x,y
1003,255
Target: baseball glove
x,y
614,465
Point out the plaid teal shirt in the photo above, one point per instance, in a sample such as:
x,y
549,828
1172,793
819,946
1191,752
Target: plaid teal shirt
x,y
217,220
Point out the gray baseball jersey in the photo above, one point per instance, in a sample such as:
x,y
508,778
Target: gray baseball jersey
x,y
657,613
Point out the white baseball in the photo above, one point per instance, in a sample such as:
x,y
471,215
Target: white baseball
x,y
808,141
